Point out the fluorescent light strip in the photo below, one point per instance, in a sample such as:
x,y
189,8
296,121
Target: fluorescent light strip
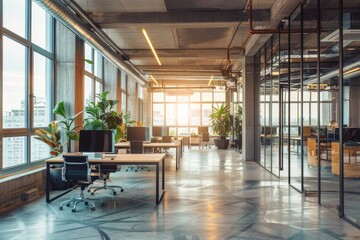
x,y
210,80
151,46
352,70
154,80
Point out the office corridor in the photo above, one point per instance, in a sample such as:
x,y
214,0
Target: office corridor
x,y
214,195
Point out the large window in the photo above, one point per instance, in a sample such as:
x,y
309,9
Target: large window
x,y
14,84
184,113
94,68
27,72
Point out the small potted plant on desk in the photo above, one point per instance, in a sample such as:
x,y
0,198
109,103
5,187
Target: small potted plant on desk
x,y
220,120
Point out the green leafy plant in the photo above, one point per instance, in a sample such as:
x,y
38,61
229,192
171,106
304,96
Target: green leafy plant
x,y
238,122
51,137
67,124
102,116
220,120
127,121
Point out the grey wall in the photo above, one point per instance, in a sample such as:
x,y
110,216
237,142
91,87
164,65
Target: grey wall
x,y
249,115
65,66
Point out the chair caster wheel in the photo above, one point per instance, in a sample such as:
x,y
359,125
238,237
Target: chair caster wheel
x,y
114,193
88,190
92,208
126,170
92,193
73,210
122,190
135,170
68,204
86,203
61,208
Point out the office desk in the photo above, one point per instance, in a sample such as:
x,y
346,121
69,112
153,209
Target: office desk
x,y
351,164
177,145
117,159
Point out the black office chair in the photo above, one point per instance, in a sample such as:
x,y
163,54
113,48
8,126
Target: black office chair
x,y
205,139
105,170
137,147
77,169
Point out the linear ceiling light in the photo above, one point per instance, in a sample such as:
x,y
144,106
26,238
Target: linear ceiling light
x,y
154,79
151,46
352,70
210,80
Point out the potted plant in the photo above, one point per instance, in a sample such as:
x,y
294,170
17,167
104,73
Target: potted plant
x,y
127,121
51,137
67,124
237,127
102,116
221,122
56,130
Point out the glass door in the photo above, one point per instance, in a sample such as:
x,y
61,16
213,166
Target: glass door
x,y
295,99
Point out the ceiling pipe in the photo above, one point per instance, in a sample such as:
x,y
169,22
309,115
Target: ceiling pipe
x,y
76,8
94,36
272,31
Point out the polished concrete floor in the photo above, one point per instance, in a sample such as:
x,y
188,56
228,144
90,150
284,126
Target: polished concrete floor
x,y
213,196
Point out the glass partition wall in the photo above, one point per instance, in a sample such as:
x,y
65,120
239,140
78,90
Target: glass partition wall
x,y
349,104
309,78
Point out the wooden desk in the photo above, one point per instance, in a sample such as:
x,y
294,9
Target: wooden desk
x,y
351,166
117,159
177,145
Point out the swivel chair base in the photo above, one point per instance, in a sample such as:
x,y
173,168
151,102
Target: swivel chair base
x,y
77,200
92,190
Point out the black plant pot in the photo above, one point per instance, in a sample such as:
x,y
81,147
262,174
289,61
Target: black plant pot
x,y
222,143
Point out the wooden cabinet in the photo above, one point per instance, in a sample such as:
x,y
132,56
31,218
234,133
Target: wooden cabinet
x,y
325,151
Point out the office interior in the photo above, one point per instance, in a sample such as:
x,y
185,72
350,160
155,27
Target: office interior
x,y
291,65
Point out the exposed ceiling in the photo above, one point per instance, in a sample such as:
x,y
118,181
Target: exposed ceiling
x,y
194,39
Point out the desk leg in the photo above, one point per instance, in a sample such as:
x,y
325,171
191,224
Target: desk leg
x,y
47,186
47,182
177,158
160,194
157,184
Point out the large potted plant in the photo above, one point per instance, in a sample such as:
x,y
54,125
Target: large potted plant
x,y
101,115
59,134
221,122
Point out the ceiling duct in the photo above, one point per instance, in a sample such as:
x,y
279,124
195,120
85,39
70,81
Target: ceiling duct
x,y
94,36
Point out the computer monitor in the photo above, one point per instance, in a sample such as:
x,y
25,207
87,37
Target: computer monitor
x,y
158,131
137,134
96,141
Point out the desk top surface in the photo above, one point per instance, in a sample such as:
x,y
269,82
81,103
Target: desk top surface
x,y
120,158
169,145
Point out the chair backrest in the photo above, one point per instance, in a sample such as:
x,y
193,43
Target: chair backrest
x,y
205,137
76,168
166,139
136,147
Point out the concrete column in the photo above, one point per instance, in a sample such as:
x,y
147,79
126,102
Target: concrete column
x,y
250,114
111,83
69,73
147,107
131,103
65,67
